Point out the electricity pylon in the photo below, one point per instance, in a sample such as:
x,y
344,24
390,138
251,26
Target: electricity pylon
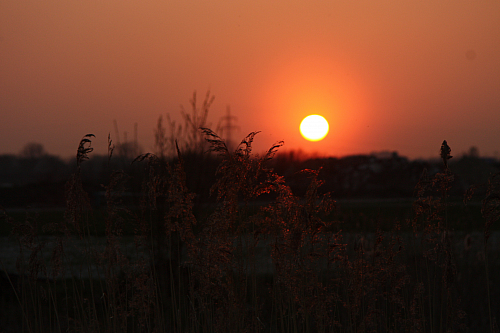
x,y
227,127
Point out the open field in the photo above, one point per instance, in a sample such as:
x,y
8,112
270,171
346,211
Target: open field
x,y
466,247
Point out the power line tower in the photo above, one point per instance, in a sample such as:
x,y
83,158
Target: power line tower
x,y
227,127
126,148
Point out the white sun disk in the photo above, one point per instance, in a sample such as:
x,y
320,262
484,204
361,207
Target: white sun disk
x,y
314,127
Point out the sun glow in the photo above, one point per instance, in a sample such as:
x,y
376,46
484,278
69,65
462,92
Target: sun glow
x,y
314,127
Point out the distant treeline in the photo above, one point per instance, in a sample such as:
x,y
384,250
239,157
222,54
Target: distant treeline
x,y
39,181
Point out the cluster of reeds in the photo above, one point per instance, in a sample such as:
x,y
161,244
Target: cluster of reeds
x,y
193,272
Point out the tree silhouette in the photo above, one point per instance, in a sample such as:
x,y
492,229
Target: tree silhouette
x,y
33,150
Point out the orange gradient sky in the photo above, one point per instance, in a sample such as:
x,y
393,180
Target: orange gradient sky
x,y
387,75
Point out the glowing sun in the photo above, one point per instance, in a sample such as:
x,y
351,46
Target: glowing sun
x,y
314,127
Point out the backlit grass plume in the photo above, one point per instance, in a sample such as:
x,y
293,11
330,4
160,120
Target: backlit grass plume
x,y
445,153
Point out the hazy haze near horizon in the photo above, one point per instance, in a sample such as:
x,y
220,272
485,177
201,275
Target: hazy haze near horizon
x,y
387,75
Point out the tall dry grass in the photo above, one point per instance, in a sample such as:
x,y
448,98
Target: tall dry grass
x,y
202,272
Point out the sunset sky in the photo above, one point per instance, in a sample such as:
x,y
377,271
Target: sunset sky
x,y
387,75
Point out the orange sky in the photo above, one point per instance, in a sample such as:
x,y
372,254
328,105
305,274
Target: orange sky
x,y
388,75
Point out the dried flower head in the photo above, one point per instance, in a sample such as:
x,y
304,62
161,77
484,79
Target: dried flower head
x,y
445,153
84,149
